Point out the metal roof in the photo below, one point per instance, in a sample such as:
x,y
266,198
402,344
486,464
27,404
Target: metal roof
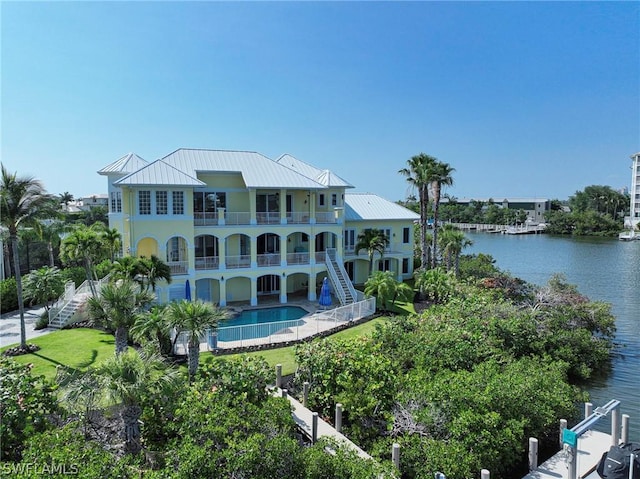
x,y
324,177
159,173
367,206
127,164
257,170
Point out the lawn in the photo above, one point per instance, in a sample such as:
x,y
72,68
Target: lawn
x,y
83,347
77,348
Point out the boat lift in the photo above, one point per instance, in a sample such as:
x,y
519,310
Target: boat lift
x,y
570,436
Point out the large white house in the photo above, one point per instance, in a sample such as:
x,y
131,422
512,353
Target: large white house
x,y
238,226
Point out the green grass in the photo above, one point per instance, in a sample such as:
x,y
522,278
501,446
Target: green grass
x,y
82,347
286,357
76,348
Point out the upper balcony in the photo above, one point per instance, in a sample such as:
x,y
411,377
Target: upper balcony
x,y
226,218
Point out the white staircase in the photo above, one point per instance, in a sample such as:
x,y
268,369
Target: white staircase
x,y
63,310
342,285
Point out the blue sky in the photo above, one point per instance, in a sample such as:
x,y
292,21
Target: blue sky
x,y
521,98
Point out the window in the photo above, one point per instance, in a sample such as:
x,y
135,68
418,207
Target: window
x,y
144,202
116,202
161,203
321,199
405,235
349,240
405,265
384,265
334,199
208,201
178,202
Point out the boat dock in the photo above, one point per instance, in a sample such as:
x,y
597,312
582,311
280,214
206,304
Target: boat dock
x,y
314,427
591,446
582,446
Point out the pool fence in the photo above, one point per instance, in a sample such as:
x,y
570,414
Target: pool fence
x,y
230,337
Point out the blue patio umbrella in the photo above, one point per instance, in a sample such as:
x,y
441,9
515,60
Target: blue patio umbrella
x,y
325,294
187,291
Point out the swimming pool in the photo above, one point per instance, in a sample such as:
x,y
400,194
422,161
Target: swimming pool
x,y
260,323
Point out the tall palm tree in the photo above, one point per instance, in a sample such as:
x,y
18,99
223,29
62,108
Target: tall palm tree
x,y
50,232
113,241
123,380
194,318
374,241
419,176
452,241
23,200
84,245
117,307
440,176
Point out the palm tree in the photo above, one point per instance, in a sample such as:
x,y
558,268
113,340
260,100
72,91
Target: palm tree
x,y
127,267
441,176
152,327
66,198
123,379
383,285
50,233
452,241
23,200
153,269
194,318
374,241
117,307
113,240
84,245
418,173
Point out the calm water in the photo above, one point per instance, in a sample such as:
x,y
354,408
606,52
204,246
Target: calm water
x,y
604,270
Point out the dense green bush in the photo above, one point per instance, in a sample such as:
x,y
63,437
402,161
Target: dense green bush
x,y
472,378
25,404
8,295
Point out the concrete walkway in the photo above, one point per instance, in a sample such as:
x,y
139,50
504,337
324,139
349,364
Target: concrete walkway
x,y
10,326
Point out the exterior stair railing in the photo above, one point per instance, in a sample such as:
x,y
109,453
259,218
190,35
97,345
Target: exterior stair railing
x,y
66,306
340,281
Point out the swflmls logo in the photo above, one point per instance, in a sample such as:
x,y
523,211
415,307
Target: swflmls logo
x,y
10,469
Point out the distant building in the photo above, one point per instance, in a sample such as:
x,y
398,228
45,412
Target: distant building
x,y
633,219
535,208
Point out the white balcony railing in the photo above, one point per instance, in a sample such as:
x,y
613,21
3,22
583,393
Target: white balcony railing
x,y
178,267
205,219
207,262
297,258
269,259
241,261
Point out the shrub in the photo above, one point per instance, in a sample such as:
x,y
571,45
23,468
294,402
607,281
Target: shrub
x,y
8,295
26,404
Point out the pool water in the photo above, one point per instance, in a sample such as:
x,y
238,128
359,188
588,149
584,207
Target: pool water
x,y
265,315
260,323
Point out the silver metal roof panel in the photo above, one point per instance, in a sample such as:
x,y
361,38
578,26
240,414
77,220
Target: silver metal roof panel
x,y
127,164
257,170
159,173
324,177
368,206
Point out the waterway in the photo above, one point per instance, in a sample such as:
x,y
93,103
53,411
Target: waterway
x,y
602,269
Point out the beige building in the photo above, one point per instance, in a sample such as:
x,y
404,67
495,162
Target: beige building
x,y
238,226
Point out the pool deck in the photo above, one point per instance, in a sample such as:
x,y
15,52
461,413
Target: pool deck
x,y
317,320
